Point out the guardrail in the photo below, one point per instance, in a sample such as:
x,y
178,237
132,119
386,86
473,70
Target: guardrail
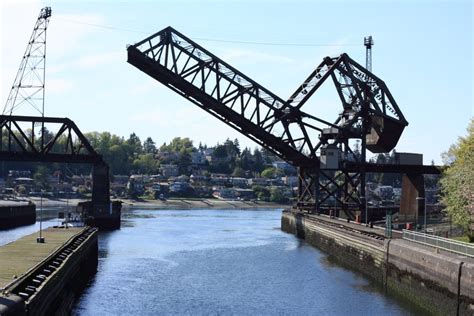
x,y
440,242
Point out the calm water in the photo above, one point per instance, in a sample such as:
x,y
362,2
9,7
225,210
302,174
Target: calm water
x,y
49,219
201,262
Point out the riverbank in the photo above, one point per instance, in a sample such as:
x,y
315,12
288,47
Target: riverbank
x,y
157,204
199,204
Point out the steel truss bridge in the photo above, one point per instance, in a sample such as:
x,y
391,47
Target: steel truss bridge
x,y
369,114
23,139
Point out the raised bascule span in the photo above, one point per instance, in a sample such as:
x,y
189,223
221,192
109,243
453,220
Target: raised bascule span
x,y
329,168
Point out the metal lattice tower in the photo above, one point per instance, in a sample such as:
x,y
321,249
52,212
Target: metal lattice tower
x,y
28,87
368,42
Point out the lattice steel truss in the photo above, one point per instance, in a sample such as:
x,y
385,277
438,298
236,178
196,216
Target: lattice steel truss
x,y
29,83
21,140
59,140
369,113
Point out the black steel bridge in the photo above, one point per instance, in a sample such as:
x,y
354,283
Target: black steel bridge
x,y
20,142
328,166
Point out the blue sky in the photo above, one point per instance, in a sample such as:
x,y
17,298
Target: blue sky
x,y
423,51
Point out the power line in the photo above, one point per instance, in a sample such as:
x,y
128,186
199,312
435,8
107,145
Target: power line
x,y
211,39
103,26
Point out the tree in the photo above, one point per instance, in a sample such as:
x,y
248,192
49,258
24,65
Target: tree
x,y
146,163
41,177
272,172
237,146
261,192
149,146
258,160
179,145
118,160
135,144
457,182
276,195
238,172
245,159
184,162
220,151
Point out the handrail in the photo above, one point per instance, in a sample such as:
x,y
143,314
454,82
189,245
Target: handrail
x,y
455,246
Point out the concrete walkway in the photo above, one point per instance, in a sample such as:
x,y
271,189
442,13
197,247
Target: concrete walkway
x,y
19,256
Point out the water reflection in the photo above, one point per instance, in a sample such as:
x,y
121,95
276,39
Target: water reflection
x,y
204,262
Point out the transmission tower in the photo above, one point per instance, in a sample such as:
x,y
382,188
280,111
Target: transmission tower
x,y
368,42
28,87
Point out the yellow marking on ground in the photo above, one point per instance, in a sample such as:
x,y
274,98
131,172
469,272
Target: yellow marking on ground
x,y
17,257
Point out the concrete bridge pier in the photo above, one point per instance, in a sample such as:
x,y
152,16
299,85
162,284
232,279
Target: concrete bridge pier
x,y
412,203
100,187
103,213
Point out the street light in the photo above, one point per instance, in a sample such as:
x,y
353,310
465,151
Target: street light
x,y
40,239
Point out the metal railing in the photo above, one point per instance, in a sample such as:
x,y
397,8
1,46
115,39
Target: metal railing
x,y
440,242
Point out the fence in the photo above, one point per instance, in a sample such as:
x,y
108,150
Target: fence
x,y
440,242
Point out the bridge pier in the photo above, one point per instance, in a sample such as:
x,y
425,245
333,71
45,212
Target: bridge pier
x,y
412,203
100,186
100,211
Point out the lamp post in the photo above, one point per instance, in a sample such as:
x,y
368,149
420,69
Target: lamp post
x,y
40,239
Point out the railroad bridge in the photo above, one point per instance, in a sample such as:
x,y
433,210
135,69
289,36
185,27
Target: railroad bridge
x,y
322,150
329,168
67,145
23,138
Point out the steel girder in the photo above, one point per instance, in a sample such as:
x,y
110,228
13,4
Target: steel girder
x,y
20,142
369,113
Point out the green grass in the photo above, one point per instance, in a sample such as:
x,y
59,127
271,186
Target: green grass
x,y
462,238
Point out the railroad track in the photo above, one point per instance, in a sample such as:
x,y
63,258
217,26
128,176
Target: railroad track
x,y
349,229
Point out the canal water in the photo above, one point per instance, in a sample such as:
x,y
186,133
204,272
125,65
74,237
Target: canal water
x,y
49,216
228,262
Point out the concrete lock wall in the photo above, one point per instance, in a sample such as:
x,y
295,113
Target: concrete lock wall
x,y
353,253
432,279
58,293
437,283
17,215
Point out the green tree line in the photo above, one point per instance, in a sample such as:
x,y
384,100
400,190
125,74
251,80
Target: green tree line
x,y
458,182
